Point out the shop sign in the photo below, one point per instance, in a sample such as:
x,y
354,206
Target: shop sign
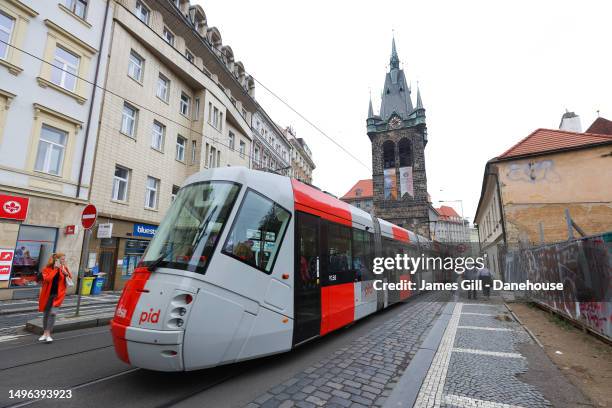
x,y
6,262
70,230
144,230
13,207
105,230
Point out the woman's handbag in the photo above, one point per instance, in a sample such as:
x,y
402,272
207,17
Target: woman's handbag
x,y
69,282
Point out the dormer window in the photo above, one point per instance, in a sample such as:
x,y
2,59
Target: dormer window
x,y
358,192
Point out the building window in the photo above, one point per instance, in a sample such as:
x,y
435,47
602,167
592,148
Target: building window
x,y
128,120
244,113
257,155
6,32
163,87
157,136
212,157
404,148
210,110
65,68
185,101
34,247
175,190
388,154
168,36
257,233
189,56
142,12
180,148
358,192
194,149
51,149
78,7
232,138
135,67
120,183
151,192
242,149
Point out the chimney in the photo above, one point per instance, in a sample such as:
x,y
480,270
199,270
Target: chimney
x,y
570,122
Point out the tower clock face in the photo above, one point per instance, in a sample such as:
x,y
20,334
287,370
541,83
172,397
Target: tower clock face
x,y
395,122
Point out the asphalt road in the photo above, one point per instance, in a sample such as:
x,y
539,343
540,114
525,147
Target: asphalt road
x,y
84,361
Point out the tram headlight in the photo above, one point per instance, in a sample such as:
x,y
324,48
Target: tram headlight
x,y
179,322
182,311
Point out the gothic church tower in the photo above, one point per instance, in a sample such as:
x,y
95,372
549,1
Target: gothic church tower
x,y
399,136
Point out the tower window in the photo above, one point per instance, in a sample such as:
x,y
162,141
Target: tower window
x,y
404,148
388,154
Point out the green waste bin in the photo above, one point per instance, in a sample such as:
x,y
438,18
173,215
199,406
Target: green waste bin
x,y
86,286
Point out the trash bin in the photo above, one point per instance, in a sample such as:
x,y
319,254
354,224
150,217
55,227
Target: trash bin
x,y
98,284
86,285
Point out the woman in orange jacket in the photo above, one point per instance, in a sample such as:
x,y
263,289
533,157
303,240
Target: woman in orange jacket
x,y
52,292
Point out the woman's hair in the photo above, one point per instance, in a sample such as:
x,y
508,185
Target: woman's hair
x,y
53,258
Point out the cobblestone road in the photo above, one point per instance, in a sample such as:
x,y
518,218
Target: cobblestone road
x,y
364,373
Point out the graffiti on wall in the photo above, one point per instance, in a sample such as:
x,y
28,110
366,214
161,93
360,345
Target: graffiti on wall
x,y
534,172
584,266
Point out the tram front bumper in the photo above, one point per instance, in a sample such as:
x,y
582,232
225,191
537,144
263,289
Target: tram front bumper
x,y
159,350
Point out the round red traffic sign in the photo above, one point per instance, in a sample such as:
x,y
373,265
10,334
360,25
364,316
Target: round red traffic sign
x,y
88,216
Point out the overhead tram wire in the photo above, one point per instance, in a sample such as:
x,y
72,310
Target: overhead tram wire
x,y
215,141
318,129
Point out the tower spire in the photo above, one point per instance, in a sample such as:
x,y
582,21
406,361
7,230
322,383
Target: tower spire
x,y
370,110
419,104
394,57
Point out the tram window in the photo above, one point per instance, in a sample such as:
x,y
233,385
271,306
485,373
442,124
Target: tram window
x,y
258,230
362,256
339,254
187,237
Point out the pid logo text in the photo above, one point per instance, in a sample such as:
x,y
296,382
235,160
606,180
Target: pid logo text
x,y
149,317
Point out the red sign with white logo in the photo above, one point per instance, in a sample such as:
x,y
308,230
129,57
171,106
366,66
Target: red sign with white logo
x,y
5,270
6,263
89,215
6,256
70,229
13,207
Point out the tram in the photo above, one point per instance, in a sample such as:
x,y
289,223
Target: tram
x,y
247,264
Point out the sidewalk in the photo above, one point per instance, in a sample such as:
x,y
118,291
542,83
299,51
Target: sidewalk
x,y
95,310
8,307
483,358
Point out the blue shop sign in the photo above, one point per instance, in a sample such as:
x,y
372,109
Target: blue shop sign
x,y
144,230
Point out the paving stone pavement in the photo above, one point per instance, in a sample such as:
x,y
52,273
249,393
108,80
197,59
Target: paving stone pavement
x,y
363,373
478,367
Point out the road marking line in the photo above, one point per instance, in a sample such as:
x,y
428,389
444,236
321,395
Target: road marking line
x,y
487,353
11,337
480,314
430,394
478,304
483,328
467,402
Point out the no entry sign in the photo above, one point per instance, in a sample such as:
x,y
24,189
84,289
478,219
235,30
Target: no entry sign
x,y
89,215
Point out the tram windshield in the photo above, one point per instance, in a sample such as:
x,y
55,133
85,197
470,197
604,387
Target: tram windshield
x,y
187,236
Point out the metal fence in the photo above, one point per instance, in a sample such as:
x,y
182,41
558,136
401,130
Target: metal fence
x,y
584,266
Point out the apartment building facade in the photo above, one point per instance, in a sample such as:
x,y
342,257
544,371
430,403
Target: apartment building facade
x,y
176,102
271,149
50,57
302,164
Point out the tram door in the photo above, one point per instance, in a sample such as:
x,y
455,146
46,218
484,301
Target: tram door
x,y
307,295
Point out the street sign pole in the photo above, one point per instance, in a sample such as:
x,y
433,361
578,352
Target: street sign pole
x,y
88,220
83,263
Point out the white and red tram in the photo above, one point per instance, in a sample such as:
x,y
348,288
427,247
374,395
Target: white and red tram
x,y
247,264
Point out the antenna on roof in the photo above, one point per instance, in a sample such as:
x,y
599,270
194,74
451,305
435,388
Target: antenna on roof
x,y
597,112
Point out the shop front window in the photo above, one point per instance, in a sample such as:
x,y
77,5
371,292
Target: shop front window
x,y
134,249
34,247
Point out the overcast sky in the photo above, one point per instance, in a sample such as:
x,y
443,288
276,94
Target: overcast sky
x,y
490,73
